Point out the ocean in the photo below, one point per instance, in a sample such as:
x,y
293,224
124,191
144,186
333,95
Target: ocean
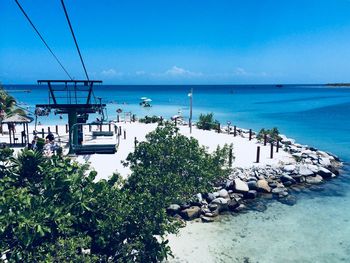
x,y
316,229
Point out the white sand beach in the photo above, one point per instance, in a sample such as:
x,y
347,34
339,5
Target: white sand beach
x,y
106,164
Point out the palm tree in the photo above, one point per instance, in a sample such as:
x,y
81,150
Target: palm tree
x,y
8,106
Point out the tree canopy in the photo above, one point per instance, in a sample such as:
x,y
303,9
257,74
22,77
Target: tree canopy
x,y
53,210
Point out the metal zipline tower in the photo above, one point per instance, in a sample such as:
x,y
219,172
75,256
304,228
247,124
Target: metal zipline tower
x,y
74,98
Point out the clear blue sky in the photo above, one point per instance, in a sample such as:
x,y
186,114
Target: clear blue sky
x,y
179,41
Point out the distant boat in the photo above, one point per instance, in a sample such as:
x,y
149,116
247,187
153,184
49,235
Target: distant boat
x,y
279,85
145,102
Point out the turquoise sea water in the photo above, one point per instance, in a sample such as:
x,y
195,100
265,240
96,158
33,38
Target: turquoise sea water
x,y
317,228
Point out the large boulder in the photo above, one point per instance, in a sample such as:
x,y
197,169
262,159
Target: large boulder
x,y
287,178
288,200
314,179
263,186
223,193
210,197
251,194
191,213
304,171
325,173
232,204
240,186
324,161
173,209
252,185
289,168
222,203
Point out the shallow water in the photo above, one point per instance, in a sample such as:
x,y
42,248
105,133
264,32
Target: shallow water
x,y
317,228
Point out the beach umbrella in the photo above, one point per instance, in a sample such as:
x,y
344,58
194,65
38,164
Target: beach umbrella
x,y
147,100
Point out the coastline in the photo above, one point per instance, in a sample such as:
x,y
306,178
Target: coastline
x,y
246,173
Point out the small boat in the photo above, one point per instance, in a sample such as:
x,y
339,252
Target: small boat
x,y
145,102
279,85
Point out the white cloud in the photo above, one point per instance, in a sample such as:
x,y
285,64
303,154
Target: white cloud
x,y
140,73
111,73
176,71
244,73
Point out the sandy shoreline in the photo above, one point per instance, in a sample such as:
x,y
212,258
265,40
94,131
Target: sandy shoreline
x,y
106,164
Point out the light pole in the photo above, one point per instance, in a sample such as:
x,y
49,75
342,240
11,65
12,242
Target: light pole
x,y
190,120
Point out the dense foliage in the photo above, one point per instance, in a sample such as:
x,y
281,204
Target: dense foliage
x,y
8,104
52,210
272,135
151,119
207,122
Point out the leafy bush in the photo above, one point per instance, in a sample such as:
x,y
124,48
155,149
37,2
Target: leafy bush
x,y
272,135
207,122
152,119
52,209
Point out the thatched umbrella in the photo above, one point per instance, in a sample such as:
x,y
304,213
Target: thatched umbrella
x,y
18,119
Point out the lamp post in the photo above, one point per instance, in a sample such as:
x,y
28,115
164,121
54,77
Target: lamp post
x,y
190,120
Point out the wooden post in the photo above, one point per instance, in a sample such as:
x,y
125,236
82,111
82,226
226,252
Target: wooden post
x,y
109,127
258,154
120,131
175,121
230,157
271,151
265,139
42,132
10,131
118,118
100,127
278,145
56,129
48,129
235,131
219,128
250,134
124,134
135,142
66,128
90,127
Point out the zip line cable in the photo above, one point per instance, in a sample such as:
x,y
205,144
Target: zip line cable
x,y
42,39
75,40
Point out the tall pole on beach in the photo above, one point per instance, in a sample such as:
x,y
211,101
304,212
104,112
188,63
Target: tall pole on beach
x,y
190,120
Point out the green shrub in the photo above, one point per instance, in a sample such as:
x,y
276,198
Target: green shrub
x,y
152,119
272,135
207,122
52,208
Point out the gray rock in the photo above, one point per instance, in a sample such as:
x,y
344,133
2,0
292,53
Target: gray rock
x,y
232,204
252,185
278,190
191,213
240,186
324,161
263,186
240,208
210,197
325,173
173,209
207,219
213,207
288,200
251,194
314,179
287,178
222,203
289,168
223,193
304,171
